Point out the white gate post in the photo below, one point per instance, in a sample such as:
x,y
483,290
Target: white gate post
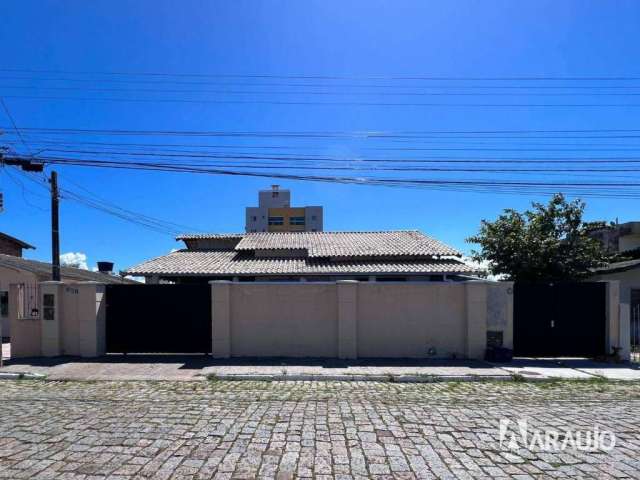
x,y
92,321
51,317
220,318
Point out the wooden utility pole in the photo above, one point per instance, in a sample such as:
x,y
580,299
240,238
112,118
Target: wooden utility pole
x,y
55,231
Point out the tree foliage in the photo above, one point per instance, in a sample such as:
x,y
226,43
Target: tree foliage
x,y
546,243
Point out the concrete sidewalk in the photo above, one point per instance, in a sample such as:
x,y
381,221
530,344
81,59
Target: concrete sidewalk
x,y
194,367
200,367
570,369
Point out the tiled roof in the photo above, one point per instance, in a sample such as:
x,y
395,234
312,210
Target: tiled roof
x,y
43,269
215,236
406,243
226,262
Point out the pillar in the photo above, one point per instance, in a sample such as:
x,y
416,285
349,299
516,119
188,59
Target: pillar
x,y
507,335
221,318
347,291
476,312
51,303
618,327
91,318
625,332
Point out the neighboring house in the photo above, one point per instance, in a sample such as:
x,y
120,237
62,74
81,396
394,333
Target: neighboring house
x,y
622,239
628,273
617,238
274,213
28,273
12,246
307,256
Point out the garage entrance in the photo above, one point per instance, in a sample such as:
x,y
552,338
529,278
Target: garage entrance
x,y
158,318
559,320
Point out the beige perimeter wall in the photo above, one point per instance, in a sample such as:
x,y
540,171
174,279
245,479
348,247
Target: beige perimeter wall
x,y
404,320
284,320
350,319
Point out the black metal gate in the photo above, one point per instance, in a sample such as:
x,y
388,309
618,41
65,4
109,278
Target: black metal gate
x,y
158,318
559,320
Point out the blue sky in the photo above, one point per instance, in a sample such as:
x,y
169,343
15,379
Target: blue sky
x,y
335,38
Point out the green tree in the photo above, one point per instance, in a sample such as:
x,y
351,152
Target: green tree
x,y
546,243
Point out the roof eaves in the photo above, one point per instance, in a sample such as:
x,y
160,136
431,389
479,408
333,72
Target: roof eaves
x,y
16,241
617,267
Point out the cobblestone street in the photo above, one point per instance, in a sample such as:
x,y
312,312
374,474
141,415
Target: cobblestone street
x,y
160,430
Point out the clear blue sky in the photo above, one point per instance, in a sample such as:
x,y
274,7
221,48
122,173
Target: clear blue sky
x,y
343,38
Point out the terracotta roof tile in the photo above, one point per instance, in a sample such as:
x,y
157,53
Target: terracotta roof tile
x,y
44,269
350,244
225,262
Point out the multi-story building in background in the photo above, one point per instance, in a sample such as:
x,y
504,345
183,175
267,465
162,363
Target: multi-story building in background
x,y
274,213
617,237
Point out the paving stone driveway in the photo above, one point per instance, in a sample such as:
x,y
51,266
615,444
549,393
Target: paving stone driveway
x,y
159,430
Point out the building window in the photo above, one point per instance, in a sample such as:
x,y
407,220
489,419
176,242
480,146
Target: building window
x,y
276,220
296,221
4,304
254,218
314,218
274,194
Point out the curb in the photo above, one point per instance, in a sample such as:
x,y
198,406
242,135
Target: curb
x,y
356,378
21,376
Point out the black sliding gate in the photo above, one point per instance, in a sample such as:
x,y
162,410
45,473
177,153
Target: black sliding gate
x,y
158,318
559,320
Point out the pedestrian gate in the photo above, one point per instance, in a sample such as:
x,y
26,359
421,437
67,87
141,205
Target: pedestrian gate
x,y
158,318
559,320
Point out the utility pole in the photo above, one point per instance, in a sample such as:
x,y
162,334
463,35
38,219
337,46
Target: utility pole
x,y
55,230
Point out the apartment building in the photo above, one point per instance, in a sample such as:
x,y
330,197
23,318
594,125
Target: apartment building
x,y
274,213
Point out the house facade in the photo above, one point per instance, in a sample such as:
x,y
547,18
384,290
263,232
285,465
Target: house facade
x,y
28,274
628,274
12,246
399,256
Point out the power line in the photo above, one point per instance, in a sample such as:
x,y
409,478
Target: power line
x,y
364,134
362,161
588,187
329,104
306,84
13,123
330,77
324,93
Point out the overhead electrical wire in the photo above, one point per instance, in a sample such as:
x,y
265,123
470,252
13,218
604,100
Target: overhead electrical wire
x,y
328,77
307,84
609,188
321,93
328,104
364,134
